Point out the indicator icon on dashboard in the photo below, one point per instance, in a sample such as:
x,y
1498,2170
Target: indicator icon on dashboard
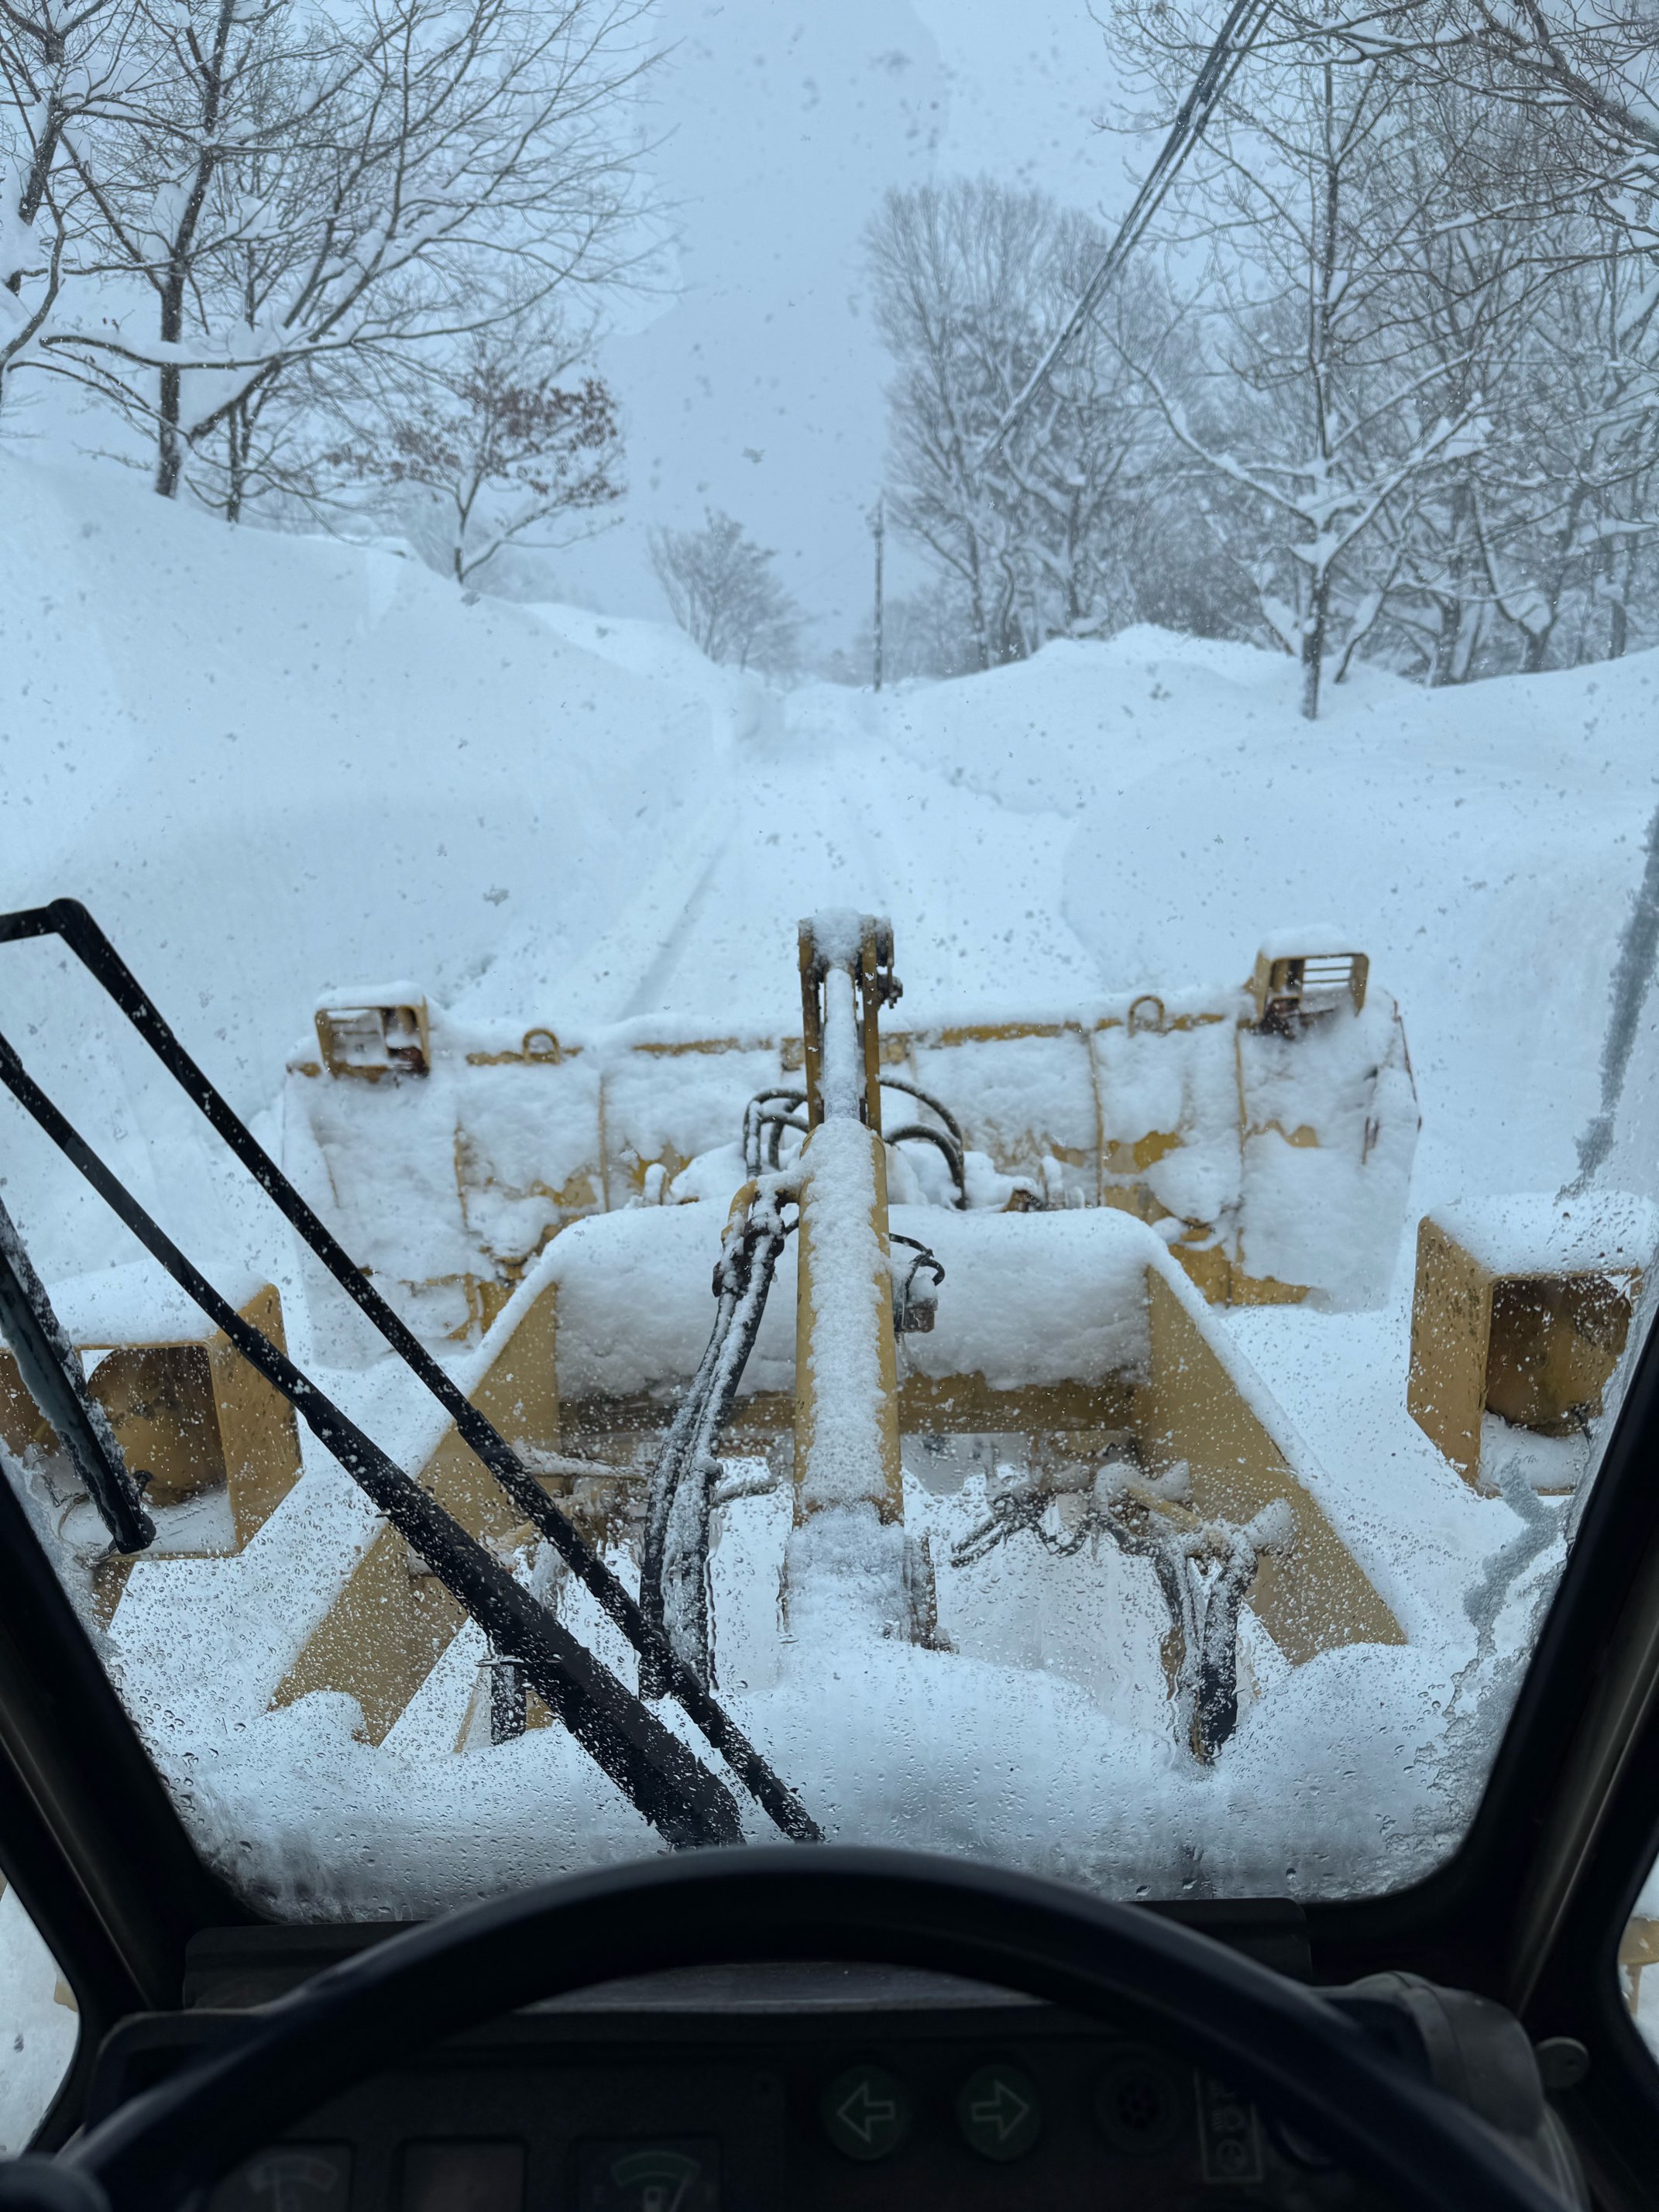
x,y
677,2175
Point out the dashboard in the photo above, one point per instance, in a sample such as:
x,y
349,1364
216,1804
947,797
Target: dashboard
x,y
735,2089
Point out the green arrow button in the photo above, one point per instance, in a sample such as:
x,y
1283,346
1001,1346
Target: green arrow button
x,y
997,2111
866,2112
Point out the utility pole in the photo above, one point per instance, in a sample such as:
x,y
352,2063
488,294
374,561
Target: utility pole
x,y
878,529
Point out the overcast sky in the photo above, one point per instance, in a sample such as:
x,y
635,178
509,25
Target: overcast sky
x,y
758,389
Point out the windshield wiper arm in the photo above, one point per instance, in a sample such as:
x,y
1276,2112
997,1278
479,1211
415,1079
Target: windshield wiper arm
x,y
68,920
53,1376
661,1779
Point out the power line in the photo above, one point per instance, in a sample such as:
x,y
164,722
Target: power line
x,y
1233,42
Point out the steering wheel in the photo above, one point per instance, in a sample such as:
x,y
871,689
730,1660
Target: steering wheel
x,y
1302,2057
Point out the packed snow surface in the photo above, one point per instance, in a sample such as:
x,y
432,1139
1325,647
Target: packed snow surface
x,y
272,767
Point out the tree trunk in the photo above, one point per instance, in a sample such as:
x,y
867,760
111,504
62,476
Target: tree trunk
x,y
169,448
34,185
1315,634
976,605
170,440
236,436
1451,664
1619,641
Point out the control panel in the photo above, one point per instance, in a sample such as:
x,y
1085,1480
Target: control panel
x,y
992,2104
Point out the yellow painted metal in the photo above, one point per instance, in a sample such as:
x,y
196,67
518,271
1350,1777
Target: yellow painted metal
x,y
1556,1341
1084,1100
369,1040
393,1620
380,1638
189,1412
258,1435
886,1480
1638,1949
1310,1597
540,1047
609,1430
1538,1350
1308,985
873,988
967,1404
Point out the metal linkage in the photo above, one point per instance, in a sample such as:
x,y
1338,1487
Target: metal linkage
x,y
933,1105
674,1565
508,1703
765,1118
1204,1573
914,1310
770,1112
1204,1570
860,948
68,920
53,1376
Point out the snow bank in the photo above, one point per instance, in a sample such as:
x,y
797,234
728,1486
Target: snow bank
x,y
272,765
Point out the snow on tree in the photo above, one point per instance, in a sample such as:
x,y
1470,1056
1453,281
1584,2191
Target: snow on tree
x,y
265,203
972,280
59,64
1529,138
1580,76
1330,416
1571,550
722,591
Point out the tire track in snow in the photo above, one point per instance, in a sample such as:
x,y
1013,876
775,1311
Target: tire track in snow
x,y
836,816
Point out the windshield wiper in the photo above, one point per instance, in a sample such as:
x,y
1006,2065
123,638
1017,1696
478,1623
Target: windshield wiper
x,y
53,1376
659,1777
68,920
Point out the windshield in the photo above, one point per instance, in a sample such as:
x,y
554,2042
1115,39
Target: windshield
x,y
894,766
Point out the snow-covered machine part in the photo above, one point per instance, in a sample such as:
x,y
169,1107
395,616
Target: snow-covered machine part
x,y
945,1435
846,1549
215,1447
1063,1347
1521,1313
1266,1133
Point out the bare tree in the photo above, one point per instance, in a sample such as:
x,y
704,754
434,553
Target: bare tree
x,y
290,193
1581,75
971,281
722,591
1331,413
928,633
1570,540
491,454
59,64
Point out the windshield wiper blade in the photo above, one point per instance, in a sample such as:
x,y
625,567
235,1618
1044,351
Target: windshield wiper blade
x,y
661,1779
68,920
53,1376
